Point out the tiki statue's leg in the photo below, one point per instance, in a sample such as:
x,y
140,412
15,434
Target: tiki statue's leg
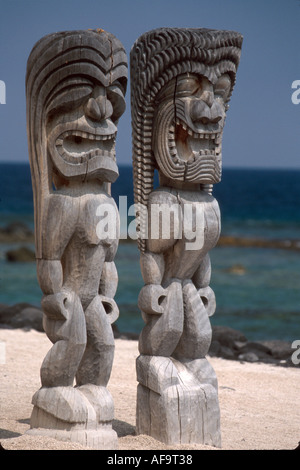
x,y
95,367
66,328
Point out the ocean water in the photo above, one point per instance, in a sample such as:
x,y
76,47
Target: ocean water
x,y
262,299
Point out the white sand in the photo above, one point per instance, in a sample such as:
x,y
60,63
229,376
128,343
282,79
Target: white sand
x,y
259,402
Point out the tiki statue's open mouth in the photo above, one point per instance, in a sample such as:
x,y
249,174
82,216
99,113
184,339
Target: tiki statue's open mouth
x,y
187,145
84,149
75,146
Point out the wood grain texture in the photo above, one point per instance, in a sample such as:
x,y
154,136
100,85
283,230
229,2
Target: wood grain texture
x,y
75,87
181,83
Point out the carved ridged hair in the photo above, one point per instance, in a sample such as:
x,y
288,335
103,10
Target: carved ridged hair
x,y
156,58
95,54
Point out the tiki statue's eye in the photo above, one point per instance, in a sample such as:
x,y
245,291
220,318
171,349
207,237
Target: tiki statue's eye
x,y
116,97
70,98
222,87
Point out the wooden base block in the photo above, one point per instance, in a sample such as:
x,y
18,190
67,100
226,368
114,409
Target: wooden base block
x,y
83,415
176,408
101,439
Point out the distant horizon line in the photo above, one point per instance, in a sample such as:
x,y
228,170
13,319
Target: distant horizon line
x,y
225,167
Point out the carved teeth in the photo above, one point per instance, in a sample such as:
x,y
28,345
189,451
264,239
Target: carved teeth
x,y
201,152
196,145
194,134
84,151
218,139
84,135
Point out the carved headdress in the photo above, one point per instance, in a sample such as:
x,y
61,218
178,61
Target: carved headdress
x,y
158,57
62,71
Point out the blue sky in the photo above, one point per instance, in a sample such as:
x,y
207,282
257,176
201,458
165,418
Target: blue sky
x,y
262,127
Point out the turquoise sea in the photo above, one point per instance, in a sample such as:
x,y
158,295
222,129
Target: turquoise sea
x,y
257,289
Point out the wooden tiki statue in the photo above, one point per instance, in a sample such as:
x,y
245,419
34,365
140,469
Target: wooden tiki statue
x,y
75,88
181,82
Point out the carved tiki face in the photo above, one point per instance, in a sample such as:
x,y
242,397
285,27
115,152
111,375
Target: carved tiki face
x,y
181,82
75,87
76,83
188,126
81,127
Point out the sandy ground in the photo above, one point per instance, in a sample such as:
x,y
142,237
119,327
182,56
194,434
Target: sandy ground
x,y
259,403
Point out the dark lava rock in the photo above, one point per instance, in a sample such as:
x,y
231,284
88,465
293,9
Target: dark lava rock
x,y
258,349
15,232
232,344
22,315
248,357
21,255
226,343
227,336
278,348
